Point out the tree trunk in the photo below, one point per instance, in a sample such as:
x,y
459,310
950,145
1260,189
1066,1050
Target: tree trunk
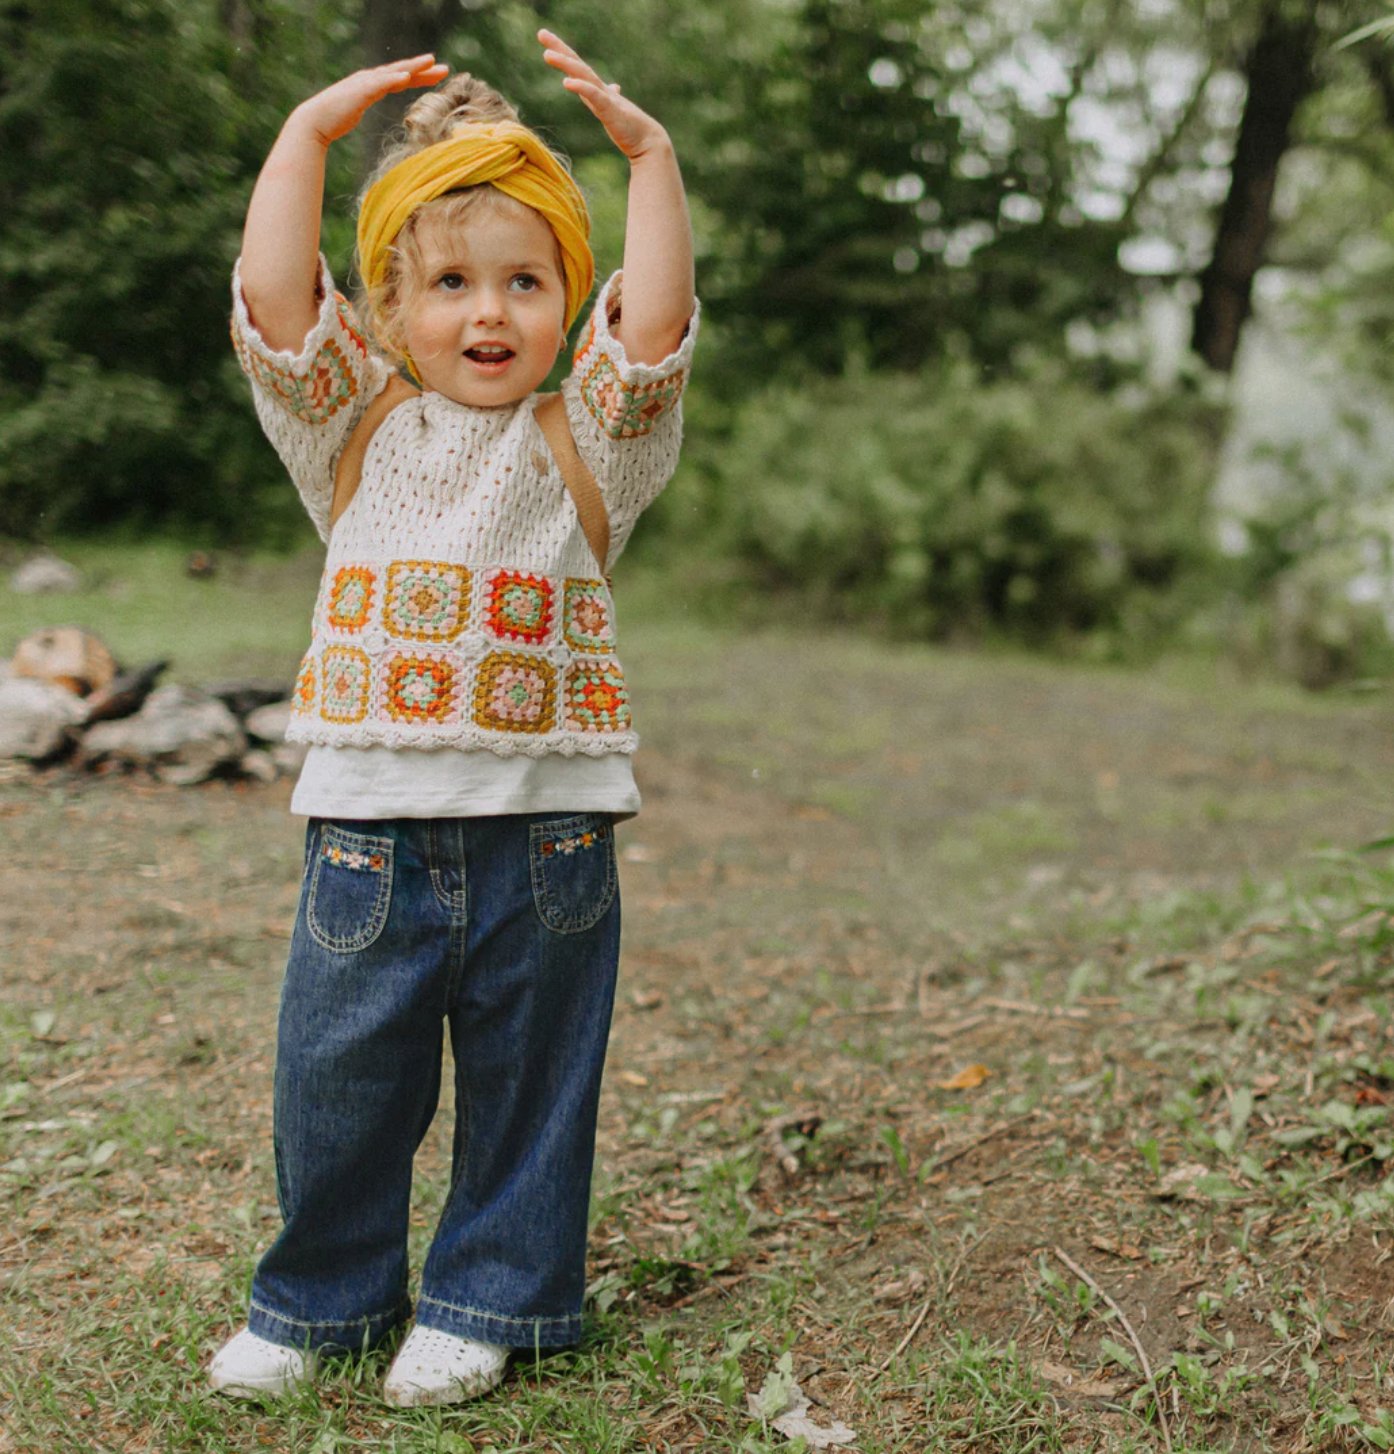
x,y
393,30
1278,70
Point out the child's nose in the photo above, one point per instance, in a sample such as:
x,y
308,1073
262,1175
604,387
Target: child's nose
x,y
491,305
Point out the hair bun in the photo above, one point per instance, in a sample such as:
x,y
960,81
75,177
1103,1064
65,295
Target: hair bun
x,y
460,100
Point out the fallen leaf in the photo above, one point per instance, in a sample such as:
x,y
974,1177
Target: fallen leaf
x,y
1130,1250
901,1288
1067,1378
632,1077
646,999
1179,1184
791,1413
969,1078
102,1154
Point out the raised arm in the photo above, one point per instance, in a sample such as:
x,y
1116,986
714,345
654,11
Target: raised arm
x,y
280,242
658,281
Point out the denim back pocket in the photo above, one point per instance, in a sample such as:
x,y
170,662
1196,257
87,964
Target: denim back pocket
x,y
350,889
573,870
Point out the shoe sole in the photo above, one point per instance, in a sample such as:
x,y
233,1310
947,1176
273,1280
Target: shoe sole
x,y
458,1391
276,1386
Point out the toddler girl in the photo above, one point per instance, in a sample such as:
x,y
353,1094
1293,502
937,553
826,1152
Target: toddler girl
x,y
466,712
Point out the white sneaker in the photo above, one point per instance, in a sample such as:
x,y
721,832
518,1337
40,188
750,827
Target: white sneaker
x,y
247,1366
432,1367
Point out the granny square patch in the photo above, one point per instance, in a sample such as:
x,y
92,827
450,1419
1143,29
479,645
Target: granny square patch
x,y
346,674
588,622
426,600
423,688
303,697
628,412
315,397
515,693
348,321
351,597
596,699
519,607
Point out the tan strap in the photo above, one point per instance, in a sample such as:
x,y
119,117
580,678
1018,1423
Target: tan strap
x,y
580,483
348,473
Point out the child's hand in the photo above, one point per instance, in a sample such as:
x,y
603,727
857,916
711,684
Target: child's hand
x,y
335,111
635,132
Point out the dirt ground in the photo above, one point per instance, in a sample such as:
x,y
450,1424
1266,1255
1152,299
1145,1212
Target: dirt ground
x,y
1008,1043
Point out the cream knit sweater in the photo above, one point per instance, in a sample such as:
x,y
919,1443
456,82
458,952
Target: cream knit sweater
x,y
460,604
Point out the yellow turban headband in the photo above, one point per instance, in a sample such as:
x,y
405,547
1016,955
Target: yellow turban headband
x,y
503,154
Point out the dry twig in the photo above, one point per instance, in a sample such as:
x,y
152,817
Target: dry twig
x,y
940,1162
924,1310
1132,1338
804,1122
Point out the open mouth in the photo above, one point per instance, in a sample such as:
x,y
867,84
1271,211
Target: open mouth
x,y
489,353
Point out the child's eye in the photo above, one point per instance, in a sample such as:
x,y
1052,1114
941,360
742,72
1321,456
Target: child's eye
x,y
525,283
451,282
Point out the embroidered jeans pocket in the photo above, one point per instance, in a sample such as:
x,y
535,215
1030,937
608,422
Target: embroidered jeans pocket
x,y
350,889
573,870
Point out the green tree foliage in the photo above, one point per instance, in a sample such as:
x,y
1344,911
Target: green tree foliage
x,y
130,131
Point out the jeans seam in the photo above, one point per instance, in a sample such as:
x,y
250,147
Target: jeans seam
x,y
266,1312
453,903
564,1318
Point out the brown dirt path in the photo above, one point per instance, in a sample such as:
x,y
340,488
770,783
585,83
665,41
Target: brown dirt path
x,y
858,872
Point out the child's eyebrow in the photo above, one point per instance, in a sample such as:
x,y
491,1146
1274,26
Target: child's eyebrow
x,y
527,265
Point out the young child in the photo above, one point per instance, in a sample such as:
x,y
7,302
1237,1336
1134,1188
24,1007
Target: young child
x,y
469,726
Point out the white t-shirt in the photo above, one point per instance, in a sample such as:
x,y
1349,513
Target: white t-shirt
x,y
385,782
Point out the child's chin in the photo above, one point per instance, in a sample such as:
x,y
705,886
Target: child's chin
x,y
488,396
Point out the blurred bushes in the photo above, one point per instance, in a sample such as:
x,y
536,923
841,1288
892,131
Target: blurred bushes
x,y
939,505
130,134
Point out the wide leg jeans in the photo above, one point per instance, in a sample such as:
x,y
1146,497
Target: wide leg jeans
x,y
506,929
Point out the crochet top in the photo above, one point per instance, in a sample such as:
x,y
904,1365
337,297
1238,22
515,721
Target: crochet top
x,y
460,604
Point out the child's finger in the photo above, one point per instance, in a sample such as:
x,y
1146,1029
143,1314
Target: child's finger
x,y
572,64
558,54
409,63
553,41
404,80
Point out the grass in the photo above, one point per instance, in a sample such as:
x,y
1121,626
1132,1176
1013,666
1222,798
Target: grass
x,y
1135,899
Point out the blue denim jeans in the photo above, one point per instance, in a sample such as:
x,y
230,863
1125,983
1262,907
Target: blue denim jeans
x,y
506,929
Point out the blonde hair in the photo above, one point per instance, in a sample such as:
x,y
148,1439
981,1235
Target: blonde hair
x,y
432,118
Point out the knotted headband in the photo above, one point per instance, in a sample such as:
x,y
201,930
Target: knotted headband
x,y
503,154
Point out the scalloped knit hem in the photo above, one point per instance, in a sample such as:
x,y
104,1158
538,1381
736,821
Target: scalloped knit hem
x,y
468,739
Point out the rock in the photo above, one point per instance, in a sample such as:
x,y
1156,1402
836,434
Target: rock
x,y
290,756
37,719
124,694
43,573
259,765
68,656
269,723
241,698
182,735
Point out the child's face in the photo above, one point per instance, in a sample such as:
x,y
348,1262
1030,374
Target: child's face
x,y
486,326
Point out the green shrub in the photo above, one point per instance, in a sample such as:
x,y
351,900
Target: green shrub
x,y
939,505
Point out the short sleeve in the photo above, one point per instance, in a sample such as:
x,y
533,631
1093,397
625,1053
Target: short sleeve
x,y
308,402
626,417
